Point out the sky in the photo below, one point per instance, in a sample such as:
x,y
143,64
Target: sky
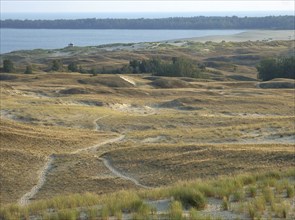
x,y
70,6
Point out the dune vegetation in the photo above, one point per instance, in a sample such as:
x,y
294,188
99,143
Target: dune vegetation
x,y
97,145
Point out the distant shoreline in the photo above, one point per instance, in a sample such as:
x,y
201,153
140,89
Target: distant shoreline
x,y
120,44
248,35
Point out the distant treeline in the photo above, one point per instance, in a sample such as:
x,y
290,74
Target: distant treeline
x,y
200,22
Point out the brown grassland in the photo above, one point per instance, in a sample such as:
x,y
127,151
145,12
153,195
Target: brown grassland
x,y
223,125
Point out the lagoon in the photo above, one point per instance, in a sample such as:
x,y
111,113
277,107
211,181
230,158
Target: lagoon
x,y
28,39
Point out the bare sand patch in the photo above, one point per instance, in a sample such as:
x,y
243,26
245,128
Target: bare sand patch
x,y
252,35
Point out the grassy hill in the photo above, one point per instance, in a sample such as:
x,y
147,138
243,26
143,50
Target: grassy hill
x,y
126,145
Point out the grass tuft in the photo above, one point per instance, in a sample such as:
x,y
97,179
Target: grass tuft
x,y
268,194
175,211
238,195
281,210
252,190
69,214
225,204
290,191
189,197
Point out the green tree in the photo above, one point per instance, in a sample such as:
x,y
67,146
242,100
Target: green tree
x,y
8,66
267,69
73,67
271,68
56,65
29,69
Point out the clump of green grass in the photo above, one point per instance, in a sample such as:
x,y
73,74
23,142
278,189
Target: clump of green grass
x,y
251,210
69,214
226,187
259,203
118,214
273,174
290,191
252,190
194,215
92,213
188,194
268,195
238,195
281,210
50,216
280,186
207,189
175,211
12,211
253,213
225,204
189,197
246,179
143,213
105,213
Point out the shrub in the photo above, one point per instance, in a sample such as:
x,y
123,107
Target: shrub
x,y
180,67
56,65
276,68
73,67
8,66
29,69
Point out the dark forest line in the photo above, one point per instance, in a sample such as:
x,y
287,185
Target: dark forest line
x,y
200,22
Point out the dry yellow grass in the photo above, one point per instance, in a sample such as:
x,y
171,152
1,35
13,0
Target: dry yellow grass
x,y
206,128
24,149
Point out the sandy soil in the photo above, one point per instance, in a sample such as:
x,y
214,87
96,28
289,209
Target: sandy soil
x,y
253,35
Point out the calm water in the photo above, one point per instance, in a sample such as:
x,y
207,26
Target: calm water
x,y
27,39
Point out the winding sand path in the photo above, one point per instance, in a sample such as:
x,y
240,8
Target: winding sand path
x,y
122,176
127,79
94,147
24,200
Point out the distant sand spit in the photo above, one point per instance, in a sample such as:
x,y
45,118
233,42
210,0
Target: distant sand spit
x,y
252,35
